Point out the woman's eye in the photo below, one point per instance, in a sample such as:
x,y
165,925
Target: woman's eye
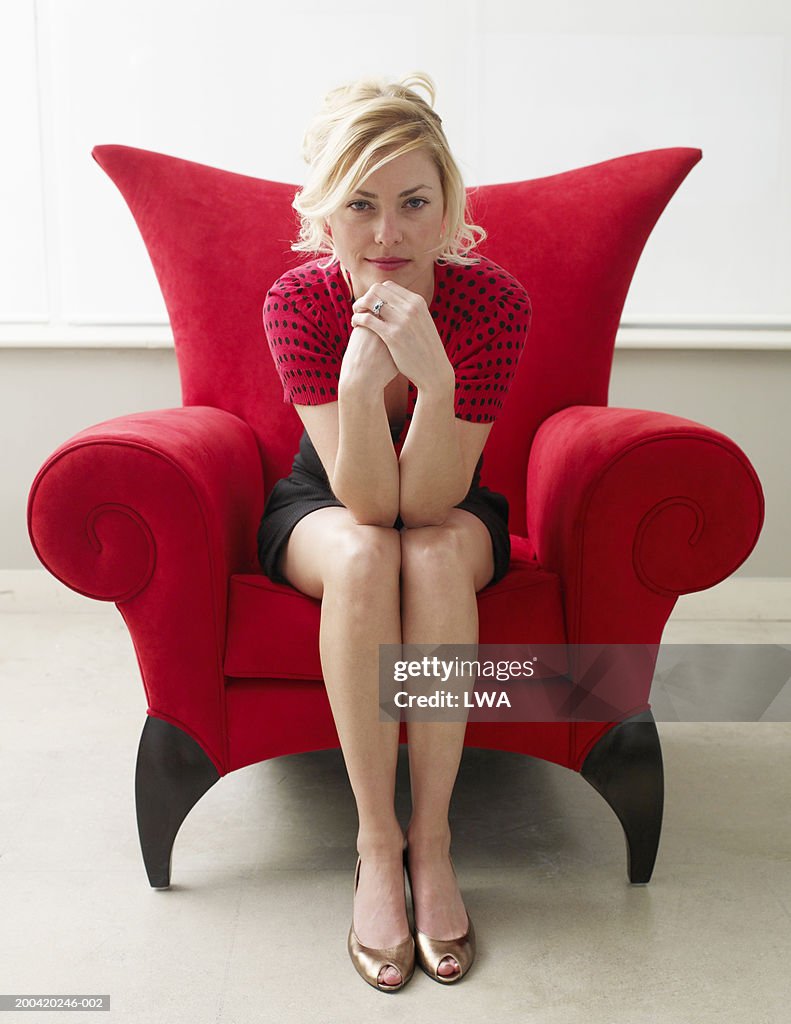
x,y
412,199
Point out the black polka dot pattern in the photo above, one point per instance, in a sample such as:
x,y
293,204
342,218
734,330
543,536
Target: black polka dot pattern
x,y
481,312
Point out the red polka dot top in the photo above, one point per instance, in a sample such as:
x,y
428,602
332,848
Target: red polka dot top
x,y
481,312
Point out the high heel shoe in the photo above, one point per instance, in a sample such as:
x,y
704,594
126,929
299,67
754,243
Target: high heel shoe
x,y
430,953
369,961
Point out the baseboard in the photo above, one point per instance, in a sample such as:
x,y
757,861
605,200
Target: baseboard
x,y
36,590
741,598
744,599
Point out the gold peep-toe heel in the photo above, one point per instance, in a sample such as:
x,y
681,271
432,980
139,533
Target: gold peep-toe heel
x,y
430,953
369,961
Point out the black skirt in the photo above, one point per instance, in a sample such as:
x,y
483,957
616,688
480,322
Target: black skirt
x,y
307,488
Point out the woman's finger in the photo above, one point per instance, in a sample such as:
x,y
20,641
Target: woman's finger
x,y
364,319
375,292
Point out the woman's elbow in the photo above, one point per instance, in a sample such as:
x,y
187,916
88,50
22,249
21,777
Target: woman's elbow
x,y
422,517
373,516
373,520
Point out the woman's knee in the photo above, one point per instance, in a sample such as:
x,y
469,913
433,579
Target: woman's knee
x,y
427,550
327,545
459,549
365,555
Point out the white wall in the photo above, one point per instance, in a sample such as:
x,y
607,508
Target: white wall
x,y
524,89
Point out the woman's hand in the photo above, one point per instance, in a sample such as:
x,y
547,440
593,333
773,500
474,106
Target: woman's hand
x,y
367,362
407,329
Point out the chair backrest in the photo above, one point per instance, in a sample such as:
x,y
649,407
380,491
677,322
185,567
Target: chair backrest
x,y
218,240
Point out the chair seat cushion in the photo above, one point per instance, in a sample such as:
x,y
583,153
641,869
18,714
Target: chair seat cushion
x,y
273,628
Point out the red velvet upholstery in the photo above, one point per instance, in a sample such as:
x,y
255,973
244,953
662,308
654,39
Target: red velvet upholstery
x,y
614,512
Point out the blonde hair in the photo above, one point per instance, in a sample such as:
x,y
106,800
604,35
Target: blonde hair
x,y
361,127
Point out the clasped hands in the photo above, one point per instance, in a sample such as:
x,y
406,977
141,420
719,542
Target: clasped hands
x,y
408,331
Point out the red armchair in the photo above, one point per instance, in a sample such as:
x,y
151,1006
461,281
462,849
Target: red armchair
x,y
614,512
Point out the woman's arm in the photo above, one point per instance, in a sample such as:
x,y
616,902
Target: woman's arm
x,y
433,470
365,478
365,474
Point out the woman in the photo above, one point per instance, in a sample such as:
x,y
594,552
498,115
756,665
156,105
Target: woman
x,y
397,354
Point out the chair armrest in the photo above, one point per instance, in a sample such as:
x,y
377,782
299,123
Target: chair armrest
x,y
633,508
155,511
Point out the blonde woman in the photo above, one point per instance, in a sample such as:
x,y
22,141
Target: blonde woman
x,y
397,351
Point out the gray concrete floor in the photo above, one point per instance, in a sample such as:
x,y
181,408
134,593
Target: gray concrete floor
x,y
253,928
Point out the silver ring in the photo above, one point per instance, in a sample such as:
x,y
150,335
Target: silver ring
x,y
377,306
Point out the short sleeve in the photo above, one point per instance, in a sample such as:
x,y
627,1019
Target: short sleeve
x,y
304,351
488,355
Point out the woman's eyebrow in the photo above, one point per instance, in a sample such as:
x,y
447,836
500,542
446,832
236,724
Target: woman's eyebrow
x,y
406,192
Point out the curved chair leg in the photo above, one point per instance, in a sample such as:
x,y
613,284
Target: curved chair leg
x,y
625,766
173,772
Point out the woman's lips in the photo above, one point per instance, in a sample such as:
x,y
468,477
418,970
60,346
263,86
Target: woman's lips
x,y
388,264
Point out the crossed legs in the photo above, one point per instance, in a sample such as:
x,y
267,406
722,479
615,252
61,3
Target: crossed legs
x,y
378,585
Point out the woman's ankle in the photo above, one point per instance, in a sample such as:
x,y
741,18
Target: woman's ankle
x,y
380,841
432,837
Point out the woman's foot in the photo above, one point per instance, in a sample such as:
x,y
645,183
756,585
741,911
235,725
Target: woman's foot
x,y
380,918
438,904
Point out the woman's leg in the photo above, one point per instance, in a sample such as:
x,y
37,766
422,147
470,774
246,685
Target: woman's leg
x,y
354,570
442,568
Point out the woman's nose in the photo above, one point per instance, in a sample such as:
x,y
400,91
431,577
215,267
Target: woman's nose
x,y
387,231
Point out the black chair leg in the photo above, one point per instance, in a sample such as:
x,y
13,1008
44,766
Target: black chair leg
x,y
625,766
173,772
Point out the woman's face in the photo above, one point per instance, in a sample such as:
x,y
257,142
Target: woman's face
x,y
378,222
